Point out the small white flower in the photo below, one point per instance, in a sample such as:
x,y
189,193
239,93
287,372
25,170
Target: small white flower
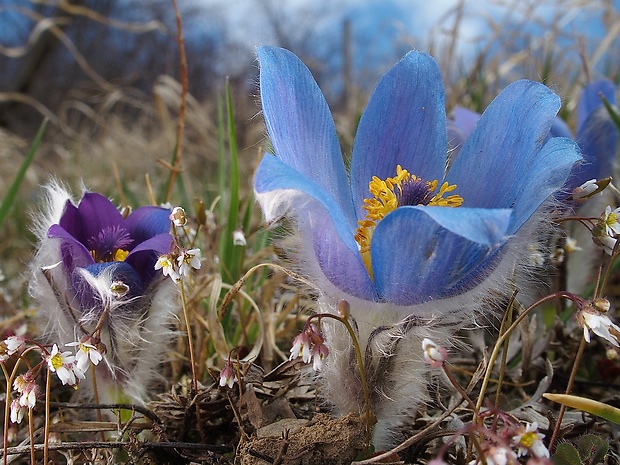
x,y
585,190
17,411
496,455
188,259
301,347
178,216
599,324
62,365
319,353
227,375
610,221
606,242
28,390
434,355
239,237
570,245
9,346
530,440
168,267
86,354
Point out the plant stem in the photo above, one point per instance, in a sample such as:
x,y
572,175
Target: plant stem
x,y
569,388
190,340
46,439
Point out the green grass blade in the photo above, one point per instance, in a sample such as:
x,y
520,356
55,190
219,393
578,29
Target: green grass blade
x,y
8,200
231,255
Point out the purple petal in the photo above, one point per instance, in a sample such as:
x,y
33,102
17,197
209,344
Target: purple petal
x,y
416,260
143,257
300,125
73,252
403,124
93,214
146,222
496,161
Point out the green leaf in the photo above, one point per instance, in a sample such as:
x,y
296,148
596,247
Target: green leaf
x,y
592,448
8,200
231,254
587,405
566,454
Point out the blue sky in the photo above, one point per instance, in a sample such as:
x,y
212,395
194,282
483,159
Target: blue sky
x,y
414,23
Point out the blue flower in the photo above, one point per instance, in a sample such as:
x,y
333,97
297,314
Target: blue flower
x,y
421,246
597,135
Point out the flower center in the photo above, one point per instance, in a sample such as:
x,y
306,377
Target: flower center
x,y
528,439
56,361
110,245
404,189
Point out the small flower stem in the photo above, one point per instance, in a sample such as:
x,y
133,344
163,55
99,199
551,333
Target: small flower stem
x,y
31,433
360,362
46,438
96,395
457,386
569,388
500,342
190,341
7,413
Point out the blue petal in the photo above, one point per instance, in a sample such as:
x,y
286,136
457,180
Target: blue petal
x,y
497,159
547,174
598,140
272,175
340,265
465,119
404,123
415,259
484,226
560,129
89,297
146,222
591,99
300,125
335,248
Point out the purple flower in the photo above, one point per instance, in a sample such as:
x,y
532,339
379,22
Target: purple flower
x,y
94,278
95,239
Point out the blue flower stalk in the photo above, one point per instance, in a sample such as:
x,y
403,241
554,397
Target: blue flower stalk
x,y
417,246
94,280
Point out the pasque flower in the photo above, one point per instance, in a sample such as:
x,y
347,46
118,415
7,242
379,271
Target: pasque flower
x,y
404,240
94,275
597,135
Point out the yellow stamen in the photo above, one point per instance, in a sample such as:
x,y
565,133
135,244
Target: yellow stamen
x,y
386,195
120,255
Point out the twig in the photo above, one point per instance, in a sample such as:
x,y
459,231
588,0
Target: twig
x,y
181,125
